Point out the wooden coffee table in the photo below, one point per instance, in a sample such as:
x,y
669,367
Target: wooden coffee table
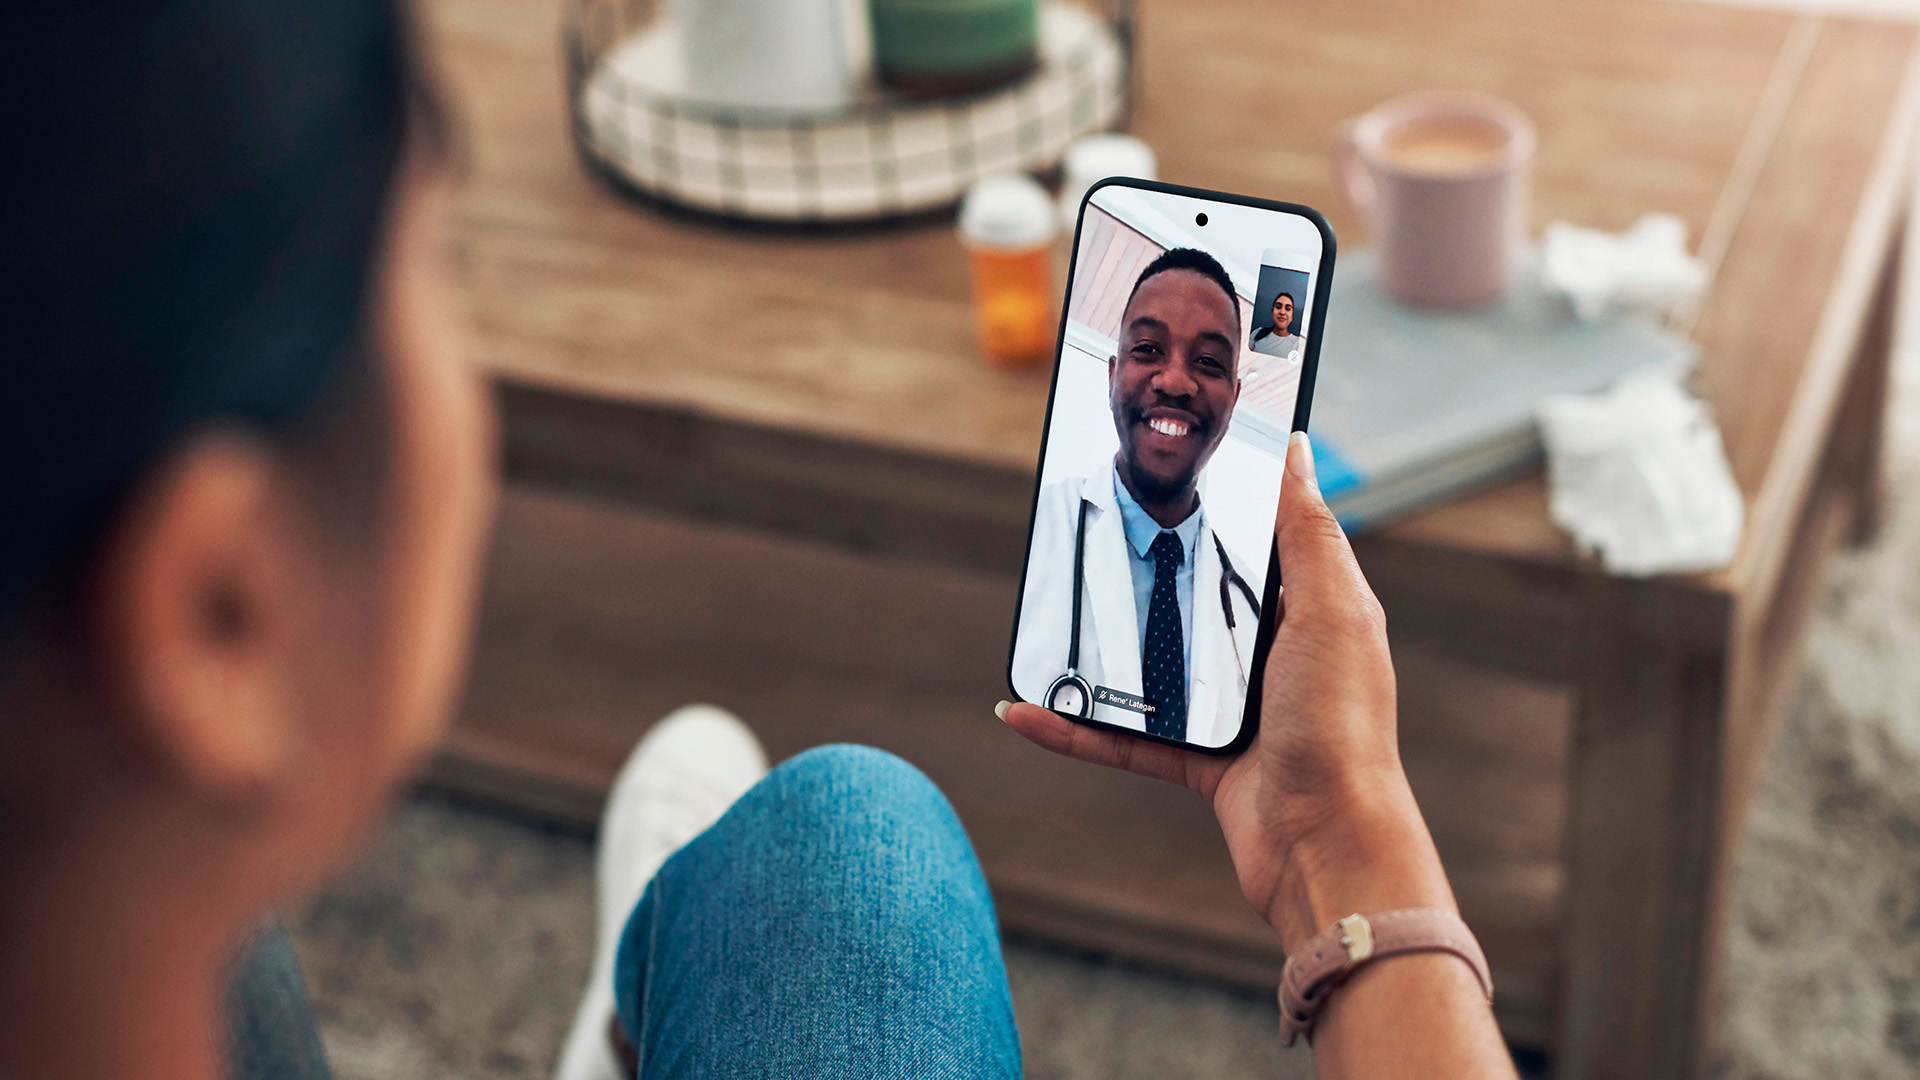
x,y
769,469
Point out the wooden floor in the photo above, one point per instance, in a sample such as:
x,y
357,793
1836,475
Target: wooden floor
x,y
598,619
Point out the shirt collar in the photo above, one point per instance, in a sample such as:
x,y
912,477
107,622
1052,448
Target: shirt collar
x,y
1140,527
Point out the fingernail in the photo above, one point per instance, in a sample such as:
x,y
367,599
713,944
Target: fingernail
x,y
1000,710
1300,456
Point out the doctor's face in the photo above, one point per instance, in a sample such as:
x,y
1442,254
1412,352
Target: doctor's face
x,y
1174,380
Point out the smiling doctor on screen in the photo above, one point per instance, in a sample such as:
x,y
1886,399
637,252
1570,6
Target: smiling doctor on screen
x,y
1165,620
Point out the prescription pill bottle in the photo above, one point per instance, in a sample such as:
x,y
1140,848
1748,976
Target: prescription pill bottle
x,y
1091,159
1007,225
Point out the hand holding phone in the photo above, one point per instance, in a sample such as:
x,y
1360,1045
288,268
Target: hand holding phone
x,y
1176,490
1322,776
1148,640
1317,813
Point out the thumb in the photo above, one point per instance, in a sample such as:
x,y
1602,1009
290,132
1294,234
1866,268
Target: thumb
x,y
1316,563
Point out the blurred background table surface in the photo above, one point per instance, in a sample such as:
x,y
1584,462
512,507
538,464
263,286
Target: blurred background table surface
x,y
801,479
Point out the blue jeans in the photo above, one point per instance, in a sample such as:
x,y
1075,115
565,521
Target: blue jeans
x,y
833,924
270,1030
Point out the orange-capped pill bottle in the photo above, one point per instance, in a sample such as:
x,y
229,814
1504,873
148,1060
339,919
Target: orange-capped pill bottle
x,y
1008,224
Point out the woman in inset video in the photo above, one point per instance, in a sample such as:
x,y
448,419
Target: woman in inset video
x,y
1278,339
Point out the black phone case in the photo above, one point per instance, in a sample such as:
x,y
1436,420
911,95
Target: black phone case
x,y
1303,401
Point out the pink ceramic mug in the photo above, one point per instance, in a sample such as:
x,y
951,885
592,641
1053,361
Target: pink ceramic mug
x,y
1442,179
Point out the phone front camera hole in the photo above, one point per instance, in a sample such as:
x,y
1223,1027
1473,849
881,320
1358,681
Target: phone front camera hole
x,y
1199,219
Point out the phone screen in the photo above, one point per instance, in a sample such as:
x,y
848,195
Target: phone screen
x,y
1185,362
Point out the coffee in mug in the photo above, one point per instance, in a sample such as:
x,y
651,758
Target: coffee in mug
x,y
1443,180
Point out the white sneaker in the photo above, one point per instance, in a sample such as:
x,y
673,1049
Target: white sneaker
x,y
685,773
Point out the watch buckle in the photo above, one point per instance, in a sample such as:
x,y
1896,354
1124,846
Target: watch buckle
x,y
1356,936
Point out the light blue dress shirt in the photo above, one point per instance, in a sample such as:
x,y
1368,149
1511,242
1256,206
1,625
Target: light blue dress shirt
x,y
1142,531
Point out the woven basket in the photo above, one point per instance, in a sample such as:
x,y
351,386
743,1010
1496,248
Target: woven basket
x,y
883,156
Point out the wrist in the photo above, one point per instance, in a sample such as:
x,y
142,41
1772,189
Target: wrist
x,y
1374,854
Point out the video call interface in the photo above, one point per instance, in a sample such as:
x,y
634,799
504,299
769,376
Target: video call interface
x,y
1173,400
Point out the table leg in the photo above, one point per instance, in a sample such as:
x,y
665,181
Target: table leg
x,y
1641,846
1860,429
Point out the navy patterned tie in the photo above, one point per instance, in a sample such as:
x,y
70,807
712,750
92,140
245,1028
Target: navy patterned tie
x,y
1163,660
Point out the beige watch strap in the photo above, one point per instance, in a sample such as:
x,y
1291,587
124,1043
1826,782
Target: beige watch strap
x,y
1318,967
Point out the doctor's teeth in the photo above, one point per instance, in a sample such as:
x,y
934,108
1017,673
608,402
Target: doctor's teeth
x,y
1173,428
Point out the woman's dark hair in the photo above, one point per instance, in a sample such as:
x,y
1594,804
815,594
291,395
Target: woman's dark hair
x,y
193,205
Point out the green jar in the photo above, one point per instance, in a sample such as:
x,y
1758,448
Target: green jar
x,y
953,46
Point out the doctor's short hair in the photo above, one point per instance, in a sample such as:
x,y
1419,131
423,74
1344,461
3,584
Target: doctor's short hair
x,y
1197,261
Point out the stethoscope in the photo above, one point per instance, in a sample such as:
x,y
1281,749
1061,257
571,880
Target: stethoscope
x,y
1071,693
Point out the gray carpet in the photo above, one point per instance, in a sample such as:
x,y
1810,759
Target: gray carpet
x,y
1822,975
456,946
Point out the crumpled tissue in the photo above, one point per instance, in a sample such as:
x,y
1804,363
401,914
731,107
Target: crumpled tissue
x,y
1645,267
1638,474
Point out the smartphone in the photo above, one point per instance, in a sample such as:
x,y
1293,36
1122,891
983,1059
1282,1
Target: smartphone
x,y
1185,361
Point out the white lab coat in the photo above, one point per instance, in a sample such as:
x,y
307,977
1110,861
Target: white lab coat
x,y
1218,658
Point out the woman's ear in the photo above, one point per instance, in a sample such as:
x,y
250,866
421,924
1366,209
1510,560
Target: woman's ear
x,y
203,589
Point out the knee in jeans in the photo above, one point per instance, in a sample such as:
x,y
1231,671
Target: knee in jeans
x,y
857,784
877,815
